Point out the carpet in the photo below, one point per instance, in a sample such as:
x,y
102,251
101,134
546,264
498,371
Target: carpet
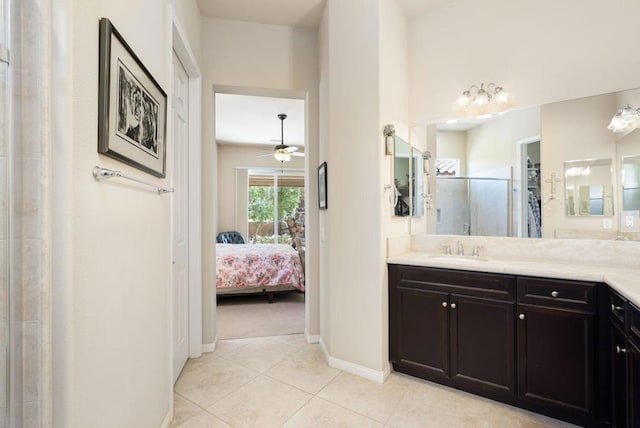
x,y
242,317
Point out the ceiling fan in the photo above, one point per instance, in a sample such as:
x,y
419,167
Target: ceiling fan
x,y
283,152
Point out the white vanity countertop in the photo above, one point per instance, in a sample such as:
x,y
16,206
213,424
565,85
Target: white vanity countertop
x,y
624,279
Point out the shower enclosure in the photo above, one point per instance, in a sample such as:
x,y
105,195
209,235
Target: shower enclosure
x,y
473,206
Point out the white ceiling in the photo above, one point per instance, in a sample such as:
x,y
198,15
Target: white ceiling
x,y
242,119
253,120
291,13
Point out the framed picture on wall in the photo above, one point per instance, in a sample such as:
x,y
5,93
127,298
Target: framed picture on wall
x,y
322,186
132,109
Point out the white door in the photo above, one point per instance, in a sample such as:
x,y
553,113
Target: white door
x,y
180,111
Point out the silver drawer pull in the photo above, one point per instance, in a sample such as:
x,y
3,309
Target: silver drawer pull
x,y
444,304
521,316
615,308
620,350
554,294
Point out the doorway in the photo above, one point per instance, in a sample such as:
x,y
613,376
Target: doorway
x,y
529,189
253,195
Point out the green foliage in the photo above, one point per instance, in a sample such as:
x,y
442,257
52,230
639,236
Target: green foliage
x,y
261,204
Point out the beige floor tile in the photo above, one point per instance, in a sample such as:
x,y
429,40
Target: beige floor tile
x,y
261,354
323,414
224,347
363,396
203,420
306,369
290,339
263,402
432,405
183,409
206,383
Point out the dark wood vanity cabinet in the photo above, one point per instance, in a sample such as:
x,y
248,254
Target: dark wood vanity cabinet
x,y
556,336
625,361
525,341
455,328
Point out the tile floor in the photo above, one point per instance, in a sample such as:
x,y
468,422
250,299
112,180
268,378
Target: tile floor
x,y
282,381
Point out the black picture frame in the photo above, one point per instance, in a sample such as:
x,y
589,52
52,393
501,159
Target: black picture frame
x,y
132,106
322,186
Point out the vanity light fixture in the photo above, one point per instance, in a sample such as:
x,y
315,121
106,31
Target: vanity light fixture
x,y
626,119
481,97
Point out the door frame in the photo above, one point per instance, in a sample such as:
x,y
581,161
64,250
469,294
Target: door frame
x,y
312,297
180,45
521,186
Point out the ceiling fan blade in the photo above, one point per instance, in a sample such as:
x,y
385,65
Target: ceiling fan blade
x,y
299,154
291,149
265,155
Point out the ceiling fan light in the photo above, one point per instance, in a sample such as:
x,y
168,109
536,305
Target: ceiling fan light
x,y
282,155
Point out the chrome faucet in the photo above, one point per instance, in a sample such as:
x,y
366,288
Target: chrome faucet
x,y
460,249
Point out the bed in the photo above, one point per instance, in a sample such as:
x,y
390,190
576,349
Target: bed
x,y
257,268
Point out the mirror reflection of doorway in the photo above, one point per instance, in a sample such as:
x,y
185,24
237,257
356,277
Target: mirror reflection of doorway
x,y
531,204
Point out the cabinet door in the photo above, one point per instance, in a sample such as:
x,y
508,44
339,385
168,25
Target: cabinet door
x,y
556,359
422,335
483,345
619,372
633,355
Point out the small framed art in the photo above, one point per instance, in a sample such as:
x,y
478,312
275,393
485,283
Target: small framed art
x,y
132,109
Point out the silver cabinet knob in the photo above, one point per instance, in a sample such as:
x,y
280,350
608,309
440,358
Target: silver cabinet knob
x,y
453,306
521,316
620,350
615,308
444,304
554,294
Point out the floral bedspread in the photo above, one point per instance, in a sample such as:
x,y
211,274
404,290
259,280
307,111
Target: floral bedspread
x,y
252,265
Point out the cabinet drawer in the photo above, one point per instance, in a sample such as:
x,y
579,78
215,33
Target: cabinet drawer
x,y
496,286
557,293
617,309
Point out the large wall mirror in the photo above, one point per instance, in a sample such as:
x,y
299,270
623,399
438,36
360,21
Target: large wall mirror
x,y
527,150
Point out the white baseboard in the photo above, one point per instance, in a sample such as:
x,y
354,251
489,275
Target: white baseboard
x,y
365,372
312,338
210,347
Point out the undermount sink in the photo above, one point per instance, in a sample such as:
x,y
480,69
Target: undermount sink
x,y
456,259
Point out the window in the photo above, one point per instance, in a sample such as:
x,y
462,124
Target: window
x,y
276,208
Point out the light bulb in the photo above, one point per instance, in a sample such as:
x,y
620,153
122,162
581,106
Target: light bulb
x,y
502,96
482,98
464,99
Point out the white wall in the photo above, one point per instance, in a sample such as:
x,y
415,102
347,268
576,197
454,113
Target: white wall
x,y
115,365
363,57
541,51
188,16
229,159
492,146
394,100
241,56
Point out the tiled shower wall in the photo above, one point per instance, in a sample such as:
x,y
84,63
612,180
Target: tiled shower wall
x,y
29,254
